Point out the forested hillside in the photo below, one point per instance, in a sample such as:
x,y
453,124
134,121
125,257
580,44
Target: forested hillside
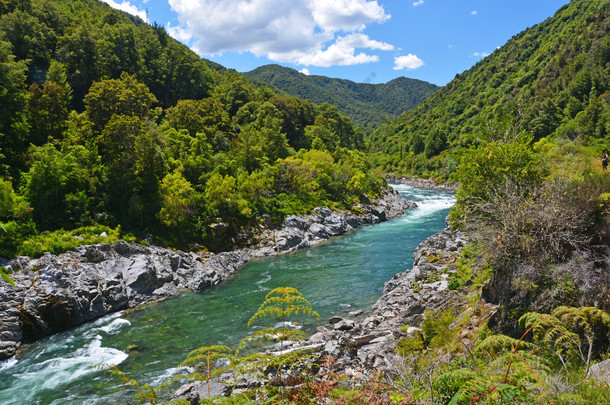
x,y
367,105
552,80
108,124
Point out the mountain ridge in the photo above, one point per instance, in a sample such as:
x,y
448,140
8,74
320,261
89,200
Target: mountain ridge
x,y
367,104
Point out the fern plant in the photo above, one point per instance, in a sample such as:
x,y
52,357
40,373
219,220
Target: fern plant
x,y
204,361
280,303
570,329
145,394
514,370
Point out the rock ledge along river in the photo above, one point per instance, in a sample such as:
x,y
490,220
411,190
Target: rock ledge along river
x,y
344,274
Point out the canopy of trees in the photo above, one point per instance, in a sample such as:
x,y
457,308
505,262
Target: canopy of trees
x,y
107,120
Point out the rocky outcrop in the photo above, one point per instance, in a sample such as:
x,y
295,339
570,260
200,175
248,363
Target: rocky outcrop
x,y
54,293
57,292
421,183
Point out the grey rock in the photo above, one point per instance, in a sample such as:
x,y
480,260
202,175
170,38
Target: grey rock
x,y
335,225
294,221
345,324
323,211
601,371
319,231
335,319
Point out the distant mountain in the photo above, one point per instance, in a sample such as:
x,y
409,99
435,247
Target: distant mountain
x,y
553,79
367,105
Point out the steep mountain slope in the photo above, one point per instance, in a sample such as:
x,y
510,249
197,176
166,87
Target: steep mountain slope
x,y
552,78
368,105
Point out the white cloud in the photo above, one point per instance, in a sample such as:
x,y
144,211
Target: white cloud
x,y
343,52
346,15
418,3
305,71
474,12
480,54
409,62
127,7
309,32
180,34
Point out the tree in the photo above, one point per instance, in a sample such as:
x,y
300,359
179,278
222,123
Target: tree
x,y
131,154
12,206
207,116
32,40
57,73
117,50
125,96
435,143
234,92
48,112
13,123
177,203
77,50
62,185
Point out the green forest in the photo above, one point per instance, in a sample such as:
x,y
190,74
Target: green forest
x,y
551,80
108,124
367,105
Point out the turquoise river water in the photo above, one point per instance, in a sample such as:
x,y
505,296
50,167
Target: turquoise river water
x,y
343,274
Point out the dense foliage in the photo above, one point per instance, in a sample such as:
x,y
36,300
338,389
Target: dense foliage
x,y
108,121
553,78
367,105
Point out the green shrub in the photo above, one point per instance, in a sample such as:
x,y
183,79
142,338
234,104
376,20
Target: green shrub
x,y
407,345
61,241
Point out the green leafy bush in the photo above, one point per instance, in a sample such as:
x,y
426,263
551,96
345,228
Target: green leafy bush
x,y
61,241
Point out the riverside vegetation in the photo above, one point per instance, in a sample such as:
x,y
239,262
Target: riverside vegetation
x,y
518,131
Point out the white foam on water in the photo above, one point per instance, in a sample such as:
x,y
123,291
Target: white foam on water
x,y
115,326
7,364
165,376
261,283
82,353
58,371
427,204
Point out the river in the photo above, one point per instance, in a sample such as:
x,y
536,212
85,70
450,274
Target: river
x,y
342,275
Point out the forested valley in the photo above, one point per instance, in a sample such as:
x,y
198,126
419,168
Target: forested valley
x,y
110,129
110,125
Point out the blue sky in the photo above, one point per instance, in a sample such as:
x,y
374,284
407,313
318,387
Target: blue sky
x,y
360,40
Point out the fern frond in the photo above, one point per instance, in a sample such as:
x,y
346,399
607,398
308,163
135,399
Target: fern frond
x,y
259,337
254,362
208,354
146,394
282,302
494,345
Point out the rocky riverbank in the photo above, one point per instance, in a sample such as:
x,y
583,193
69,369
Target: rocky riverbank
x,y
57,292
421,183
366,343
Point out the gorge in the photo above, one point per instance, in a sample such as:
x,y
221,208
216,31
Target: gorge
x,y
338,277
